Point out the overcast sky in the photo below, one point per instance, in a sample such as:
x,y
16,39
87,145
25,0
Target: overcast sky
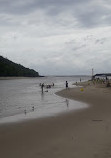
x,y
57,37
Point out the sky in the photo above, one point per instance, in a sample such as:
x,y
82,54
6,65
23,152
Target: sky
x,y
57,37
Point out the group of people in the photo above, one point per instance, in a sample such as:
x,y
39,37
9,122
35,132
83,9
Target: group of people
x,y
49,86
46,86
102,81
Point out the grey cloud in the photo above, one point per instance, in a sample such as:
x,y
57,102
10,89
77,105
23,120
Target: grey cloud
x,y
80,47
26,6
74,45
100,41
92,15
17,7
86,13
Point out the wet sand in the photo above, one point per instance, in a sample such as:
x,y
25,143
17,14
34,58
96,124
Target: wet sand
x,y
82,134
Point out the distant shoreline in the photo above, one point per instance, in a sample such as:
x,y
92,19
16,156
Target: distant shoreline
x,y
13,78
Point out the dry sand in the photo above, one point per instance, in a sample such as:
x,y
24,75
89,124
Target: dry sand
x,y
82,134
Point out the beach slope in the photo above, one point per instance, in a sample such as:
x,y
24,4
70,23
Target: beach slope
x,y
82,134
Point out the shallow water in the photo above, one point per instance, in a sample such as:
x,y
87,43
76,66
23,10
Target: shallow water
x,y
22,98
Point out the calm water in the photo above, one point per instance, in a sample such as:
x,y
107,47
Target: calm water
x,y
22,98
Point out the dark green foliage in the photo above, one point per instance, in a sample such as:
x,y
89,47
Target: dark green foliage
x,y
9,68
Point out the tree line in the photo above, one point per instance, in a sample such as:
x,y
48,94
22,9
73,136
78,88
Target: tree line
x,y
9,68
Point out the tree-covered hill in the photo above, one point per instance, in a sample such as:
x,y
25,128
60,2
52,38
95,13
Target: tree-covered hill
x,y
9,68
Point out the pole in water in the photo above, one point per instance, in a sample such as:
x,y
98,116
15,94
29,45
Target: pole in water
x,y
92,73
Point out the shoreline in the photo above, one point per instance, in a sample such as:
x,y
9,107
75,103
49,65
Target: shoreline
x,y
85,133
13,78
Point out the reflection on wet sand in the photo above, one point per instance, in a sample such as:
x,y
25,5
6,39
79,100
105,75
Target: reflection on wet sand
x,y
67,102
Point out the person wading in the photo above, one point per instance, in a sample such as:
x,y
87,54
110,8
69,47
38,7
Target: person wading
x,y
66,85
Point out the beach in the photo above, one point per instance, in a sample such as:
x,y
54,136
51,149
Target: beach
x,y
83,133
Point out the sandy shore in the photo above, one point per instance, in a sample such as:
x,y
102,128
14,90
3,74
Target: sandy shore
x,y
82,134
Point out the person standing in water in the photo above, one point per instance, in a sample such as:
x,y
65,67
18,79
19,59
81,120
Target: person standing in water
x,y
66,85
42,86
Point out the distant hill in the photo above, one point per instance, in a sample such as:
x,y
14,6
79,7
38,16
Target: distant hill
x,y
9,68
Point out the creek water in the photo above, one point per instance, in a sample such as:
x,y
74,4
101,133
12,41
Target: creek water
x,y
23,99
